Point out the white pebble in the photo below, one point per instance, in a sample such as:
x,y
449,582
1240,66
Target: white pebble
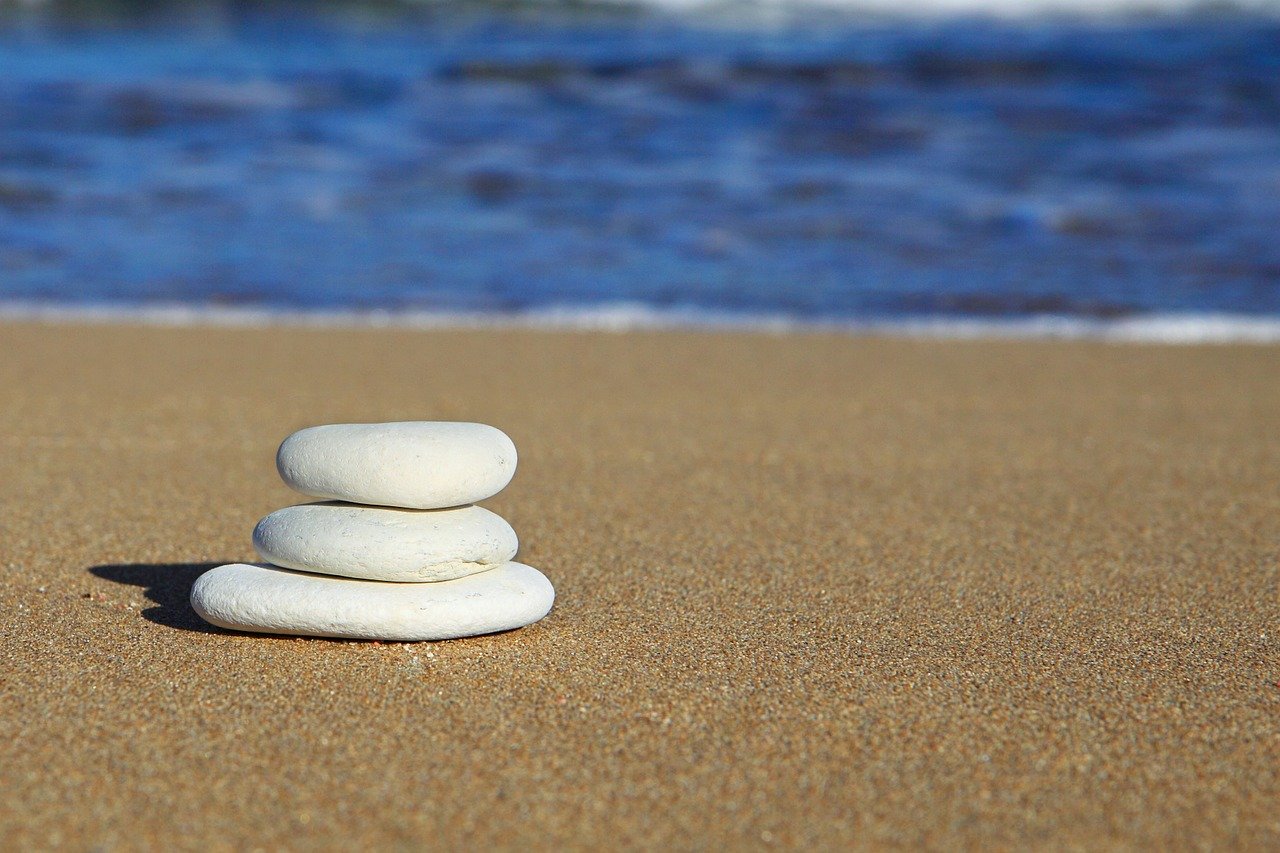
x,y
412,464
271,600
384,544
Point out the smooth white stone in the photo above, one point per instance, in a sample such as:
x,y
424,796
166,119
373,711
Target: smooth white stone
x,y
384,544
271,600
412,464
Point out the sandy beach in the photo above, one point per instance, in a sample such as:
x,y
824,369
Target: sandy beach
x,y
813,591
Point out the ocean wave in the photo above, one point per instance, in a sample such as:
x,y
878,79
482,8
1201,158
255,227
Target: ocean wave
x,y
895,9
1183,329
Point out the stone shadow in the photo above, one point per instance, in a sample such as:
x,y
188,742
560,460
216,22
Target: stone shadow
x,y
166,584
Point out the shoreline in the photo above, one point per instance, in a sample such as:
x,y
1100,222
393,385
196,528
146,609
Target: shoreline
x,y
1164,328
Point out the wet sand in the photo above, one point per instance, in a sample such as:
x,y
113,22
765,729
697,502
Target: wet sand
x,y
812,592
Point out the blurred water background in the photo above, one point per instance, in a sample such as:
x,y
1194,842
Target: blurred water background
x,y
792,164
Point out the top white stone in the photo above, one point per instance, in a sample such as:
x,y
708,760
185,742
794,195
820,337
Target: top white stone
x,y
410,464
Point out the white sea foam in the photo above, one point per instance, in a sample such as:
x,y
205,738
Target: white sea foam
x,y
627,317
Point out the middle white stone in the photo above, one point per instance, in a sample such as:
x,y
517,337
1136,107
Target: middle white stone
x,y
385,544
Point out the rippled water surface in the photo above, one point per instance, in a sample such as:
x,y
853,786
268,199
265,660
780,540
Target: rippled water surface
x,y
821,171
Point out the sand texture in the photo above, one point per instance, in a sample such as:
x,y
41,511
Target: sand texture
x,y
812,592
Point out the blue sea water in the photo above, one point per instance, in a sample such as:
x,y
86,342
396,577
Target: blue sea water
x,y
841,169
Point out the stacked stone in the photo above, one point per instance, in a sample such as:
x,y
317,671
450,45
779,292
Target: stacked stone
x,y
399,553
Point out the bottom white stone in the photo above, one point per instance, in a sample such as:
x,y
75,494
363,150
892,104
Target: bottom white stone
x,y
270,600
